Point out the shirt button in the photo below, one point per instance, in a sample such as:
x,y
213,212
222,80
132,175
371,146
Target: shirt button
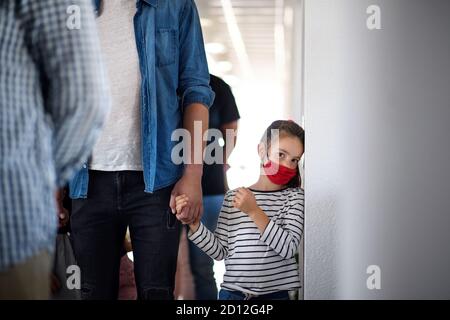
x,y
84,166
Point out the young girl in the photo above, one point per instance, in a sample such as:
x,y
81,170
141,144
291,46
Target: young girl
x,y
260,227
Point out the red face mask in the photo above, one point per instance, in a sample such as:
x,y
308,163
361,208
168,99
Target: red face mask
x,y
281,176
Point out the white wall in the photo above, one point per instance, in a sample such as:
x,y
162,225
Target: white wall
x,y
377,112
295,87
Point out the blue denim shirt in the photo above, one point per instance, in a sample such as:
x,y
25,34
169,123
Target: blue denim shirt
x,y
174,74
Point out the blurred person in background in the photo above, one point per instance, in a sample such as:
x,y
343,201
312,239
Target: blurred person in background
x,y
223,115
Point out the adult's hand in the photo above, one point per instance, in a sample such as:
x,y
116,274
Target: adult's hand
x,y
190,185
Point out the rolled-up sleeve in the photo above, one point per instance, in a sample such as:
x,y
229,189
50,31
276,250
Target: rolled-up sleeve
x,y
194,75
76,95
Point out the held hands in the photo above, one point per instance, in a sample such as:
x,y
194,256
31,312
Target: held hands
x,y
243,200
190,186
181,202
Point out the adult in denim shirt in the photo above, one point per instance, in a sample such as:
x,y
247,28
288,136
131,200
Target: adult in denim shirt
x,y
173,92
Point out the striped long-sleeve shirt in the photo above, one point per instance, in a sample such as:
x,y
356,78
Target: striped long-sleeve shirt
x,y
53,101
257,263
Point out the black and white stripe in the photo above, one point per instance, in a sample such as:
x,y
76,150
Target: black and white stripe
x,y
257,263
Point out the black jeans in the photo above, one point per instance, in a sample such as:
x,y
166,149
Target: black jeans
x,y
117,200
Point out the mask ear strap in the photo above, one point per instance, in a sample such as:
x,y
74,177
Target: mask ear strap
x,y
267,158
263,162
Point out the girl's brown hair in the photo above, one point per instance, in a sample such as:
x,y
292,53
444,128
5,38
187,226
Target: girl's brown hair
x,y
285,128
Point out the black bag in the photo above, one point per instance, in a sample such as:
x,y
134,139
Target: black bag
x,y
65,268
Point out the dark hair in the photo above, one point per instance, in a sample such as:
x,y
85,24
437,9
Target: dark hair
x,y
289,128
100,6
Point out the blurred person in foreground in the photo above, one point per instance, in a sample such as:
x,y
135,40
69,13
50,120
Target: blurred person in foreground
x,y
53,101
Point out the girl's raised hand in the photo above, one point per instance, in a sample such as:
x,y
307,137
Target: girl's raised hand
x,y
245,201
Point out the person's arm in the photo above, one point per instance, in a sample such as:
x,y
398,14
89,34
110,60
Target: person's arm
x,y
213,244
196,97
284,240
229,115
191,181
229,145
75,90
194,79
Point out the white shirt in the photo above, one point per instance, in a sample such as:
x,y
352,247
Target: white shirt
x,y
119,145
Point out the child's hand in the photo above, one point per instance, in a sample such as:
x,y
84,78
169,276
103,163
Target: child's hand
x,y
180,202
245,201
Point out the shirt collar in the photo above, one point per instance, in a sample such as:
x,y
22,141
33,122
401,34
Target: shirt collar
x,y
152,2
